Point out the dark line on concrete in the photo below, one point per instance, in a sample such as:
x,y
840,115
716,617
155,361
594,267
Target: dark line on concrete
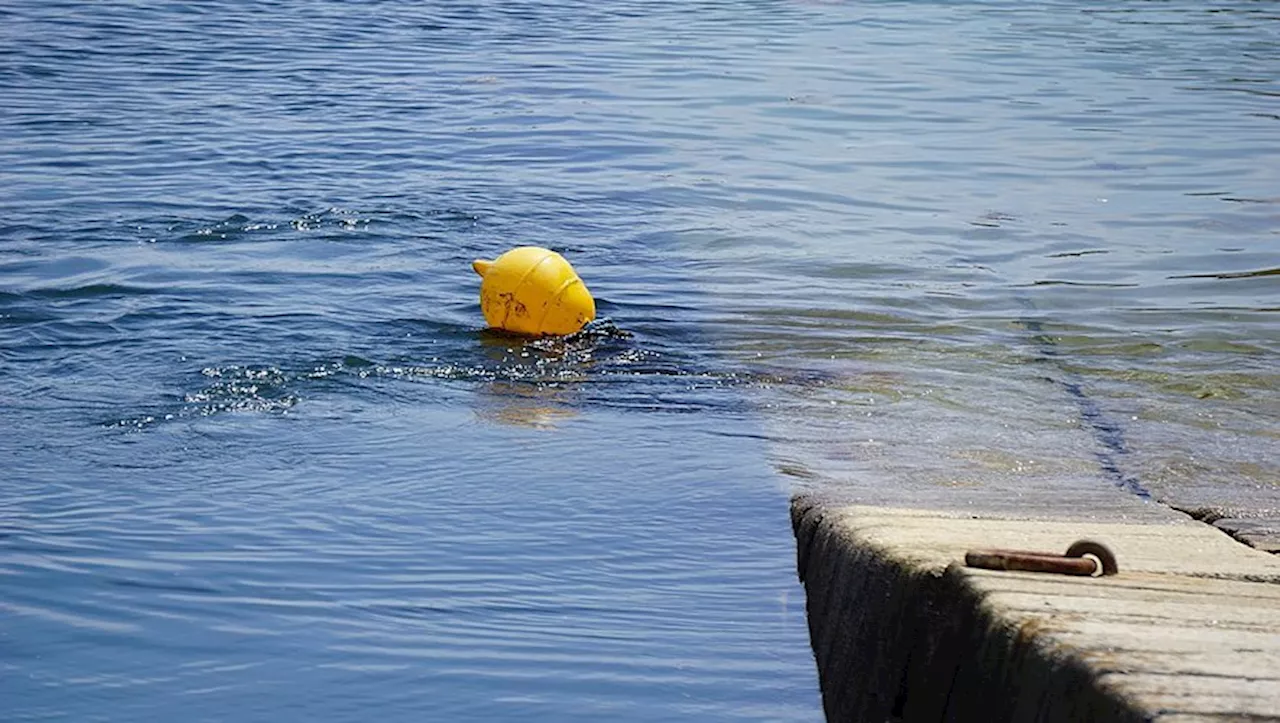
x,y
1106,432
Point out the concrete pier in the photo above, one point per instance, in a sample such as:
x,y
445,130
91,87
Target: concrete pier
x,y
903,631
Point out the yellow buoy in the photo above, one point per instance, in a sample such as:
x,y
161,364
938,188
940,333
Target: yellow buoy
x,y
533,291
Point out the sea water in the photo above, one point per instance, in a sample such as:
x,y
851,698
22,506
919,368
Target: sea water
x,y
262,462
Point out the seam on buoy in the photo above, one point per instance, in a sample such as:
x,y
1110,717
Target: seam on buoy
x,y
556,297
515,289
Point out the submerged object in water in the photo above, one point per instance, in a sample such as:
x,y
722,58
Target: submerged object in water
x,y
533,291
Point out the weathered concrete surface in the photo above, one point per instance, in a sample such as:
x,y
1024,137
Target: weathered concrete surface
x,y
1188,631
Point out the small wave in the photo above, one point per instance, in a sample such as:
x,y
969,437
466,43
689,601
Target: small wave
x,y
1073,254
244,389
265,389
1232,274
588,363
86,291
239,226
1083,284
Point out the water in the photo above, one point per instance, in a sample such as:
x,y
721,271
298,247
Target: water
x,y
262,463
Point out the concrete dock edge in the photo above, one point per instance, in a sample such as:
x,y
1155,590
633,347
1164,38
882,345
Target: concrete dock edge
x,y
902,631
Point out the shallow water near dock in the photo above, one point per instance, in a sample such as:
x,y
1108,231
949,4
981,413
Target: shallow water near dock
x,y
263,463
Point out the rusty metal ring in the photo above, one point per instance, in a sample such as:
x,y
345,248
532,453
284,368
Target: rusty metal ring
x,y
1089,548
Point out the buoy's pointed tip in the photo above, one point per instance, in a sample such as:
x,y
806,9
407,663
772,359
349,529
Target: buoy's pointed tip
x,y
481,266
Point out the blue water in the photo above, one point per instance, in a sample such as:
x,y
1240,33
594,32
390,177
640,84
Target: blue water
x,y
262,462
